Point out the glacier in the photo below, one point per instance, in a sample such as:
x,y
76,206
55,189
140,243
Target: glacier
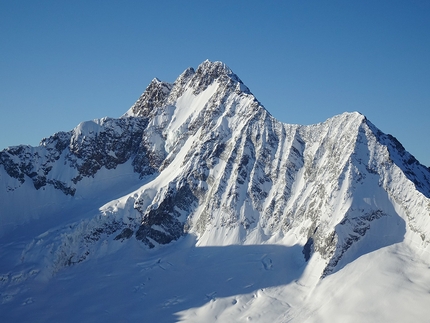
x,y
198,205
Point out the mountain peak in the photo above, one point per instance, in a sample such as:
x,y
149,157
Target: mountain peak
x,y
216,68
202,158
159,93
154,96
354,115
209,72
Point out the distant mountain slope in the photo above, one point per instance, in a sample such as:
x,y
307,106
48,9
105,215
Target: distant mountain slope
x,y
203,157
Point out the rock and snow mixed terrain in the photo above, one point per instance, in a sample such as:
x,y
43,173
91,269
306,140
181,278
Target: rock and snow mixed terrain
x,y
198,206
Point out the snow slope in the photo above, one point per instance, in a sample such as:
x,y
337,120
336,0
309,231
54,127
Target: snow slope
x,y
197,205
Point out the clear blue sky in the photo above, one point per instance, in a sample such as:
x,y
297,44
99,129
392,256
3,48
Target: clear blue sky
x,y
63,62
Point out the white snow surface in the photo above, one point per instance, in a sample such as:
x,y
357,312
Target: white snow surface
x,y
321,223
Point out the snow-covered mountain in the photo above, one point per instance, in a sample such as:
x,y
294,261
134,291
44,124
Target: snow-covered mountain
x,y
209,208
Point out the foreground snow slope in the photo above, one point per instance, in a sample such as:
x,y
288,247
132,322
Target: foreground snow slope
x,y
198,205
235,283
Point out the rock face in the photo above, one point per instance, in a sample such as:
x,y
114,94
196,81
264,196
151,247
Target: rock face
x,y
83,152
211,161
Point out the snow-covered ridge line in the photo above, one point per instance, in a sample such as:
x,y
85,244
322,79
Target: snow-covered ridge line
x,y
198,205
224,169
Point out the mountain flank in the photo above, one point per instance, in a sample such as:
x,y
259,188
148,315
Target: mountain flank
x,y
202,158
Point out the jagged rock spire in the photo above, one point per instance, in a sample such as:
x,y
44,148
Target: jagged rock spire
x,y
154,96
160,93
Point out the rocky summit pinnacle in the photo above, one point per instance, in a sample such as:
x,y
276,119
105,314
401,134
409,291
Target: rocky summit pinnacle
x,y
160,93
202,158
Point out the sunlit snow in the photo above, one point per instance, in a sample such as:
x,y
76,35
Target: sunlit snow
x,y
285,223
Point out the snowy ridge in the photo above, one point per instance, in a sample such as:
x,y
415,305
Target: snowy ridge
x,y
64,165
202,158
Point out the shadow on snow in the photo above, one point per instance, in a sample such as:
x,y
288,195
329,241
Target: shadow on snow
x,y
140,285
